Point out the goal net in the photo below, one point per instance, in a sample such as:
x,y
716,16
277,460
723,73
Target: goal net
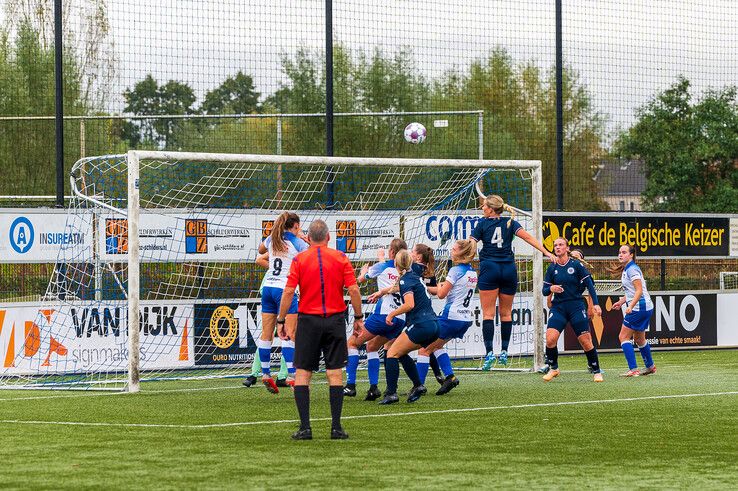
x,y
168,289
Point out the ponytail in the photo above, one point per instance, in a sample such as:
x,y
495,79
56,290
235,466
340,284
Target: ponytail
x,y
284,222
498,205
403,264
429,260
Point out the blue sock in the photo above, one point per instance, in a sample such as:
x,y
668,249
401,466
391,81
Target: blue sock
x,y
444,361
352,366
646,355
630,355
423,362
373,367
288,353
392,373
265,355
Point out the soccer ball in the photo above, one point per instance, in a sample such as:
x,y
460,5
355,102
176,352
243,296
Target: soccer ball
x,y
415,133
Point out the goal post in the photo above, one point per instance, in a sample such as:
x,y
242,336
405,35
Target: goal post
x,y
168,289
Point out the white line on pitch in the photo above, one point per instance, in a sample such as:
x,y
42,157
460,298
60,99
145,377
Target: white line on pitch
x,y
366,416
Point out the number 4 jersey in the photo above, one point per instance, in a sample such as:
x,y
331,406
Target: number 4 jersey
x,y
458,301
280,262
386,275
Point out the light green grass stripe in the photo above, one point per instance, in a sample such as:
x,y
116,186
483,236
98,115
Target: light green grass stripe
x,y
367,416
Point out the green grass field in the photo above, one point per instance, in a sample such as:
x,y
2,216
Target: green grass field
x,y
675,429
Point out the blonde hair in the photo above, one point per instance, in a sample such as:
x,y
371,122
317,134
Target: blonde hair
x,y
467,250
283,223
498,205
403,261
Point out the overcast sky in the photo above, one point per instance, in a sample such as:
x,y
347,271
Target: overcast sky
x,y
624,51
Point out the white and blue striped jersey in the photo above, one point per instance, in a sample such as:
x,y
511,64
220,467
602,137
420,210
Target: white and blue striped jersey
x,y
630,273
280,262
386,275
458,301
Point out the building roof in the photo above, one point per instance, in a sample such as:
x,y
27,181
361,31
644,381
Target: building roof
x,y
621,177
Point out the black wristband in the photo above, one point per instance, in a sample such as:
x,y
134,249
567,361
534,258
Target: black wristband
x,y
358,317
280,321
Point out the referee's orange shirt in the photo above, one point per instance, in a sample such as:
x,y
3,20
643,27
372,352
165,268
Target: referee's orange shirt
x,y
322,273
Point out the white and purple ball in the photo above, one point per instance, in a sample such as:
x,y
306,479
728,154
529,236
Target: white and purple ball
x,y
415,133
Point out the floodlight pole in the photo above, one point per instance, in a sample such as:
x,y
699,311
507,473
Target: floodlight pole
x,y
559,110
329,99
59,102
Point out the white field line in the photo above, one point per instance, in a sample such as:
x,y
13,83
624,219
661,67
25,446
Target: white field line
x,y
464,374
364,416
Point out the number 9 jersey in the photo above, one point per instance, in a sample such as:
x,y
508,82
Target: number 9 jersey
x,y
458,301
279,263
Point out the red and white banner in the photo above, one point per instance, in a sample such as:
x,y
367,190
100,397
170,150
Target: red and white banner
x,y
92,337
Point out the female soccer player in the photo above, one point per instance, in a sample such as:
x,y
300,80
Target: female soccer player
x,y
376,332
498,276
638,310
567,279
457,316
282,245
421,328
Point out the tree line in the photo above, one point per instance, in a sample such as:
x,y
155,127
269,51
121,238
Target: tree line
x,y
689,147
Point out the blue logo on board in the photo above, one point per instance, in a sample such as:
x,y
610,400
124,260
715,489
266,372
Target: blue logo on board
x,y
21,235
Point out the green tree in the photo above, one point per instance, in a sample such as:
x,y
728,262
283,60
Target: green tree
x,y
235,95
690,149
148,98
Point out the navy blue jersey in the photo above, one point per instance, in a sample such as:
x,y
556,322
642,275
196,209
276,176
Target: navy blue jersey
x,y
496,238
420,270
423,309
573,277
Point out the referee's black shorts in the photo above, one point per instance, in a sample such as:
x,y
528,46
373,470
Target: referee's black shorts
x,y
317,334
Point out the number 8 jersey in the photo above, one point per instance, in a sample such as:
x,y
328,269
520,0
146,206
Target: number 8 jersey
x,y
458,301
386,275
279,263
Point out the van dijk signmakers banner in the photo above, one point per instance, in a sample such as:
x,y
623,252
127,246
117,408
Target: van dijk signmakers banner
x,y
91,337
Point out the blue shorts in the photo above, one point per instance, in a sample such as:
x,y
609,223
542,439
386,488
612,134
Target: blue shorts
x,y
423,333
638,319
270,298
377,325
574,313
449,328
494,275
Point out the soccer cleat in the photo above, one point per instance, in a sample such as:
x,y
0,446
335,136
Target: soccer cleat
x,y
416,392
552,374
338,434
373,393
303,434
440,379
390,399
449,383
281,382
649,370
249,381
544,369
349,390
631,373
270,385
598,377
489,360
502,359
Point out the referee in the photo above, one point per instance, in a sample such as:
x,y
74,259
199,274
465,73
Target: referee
x,y
321,273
